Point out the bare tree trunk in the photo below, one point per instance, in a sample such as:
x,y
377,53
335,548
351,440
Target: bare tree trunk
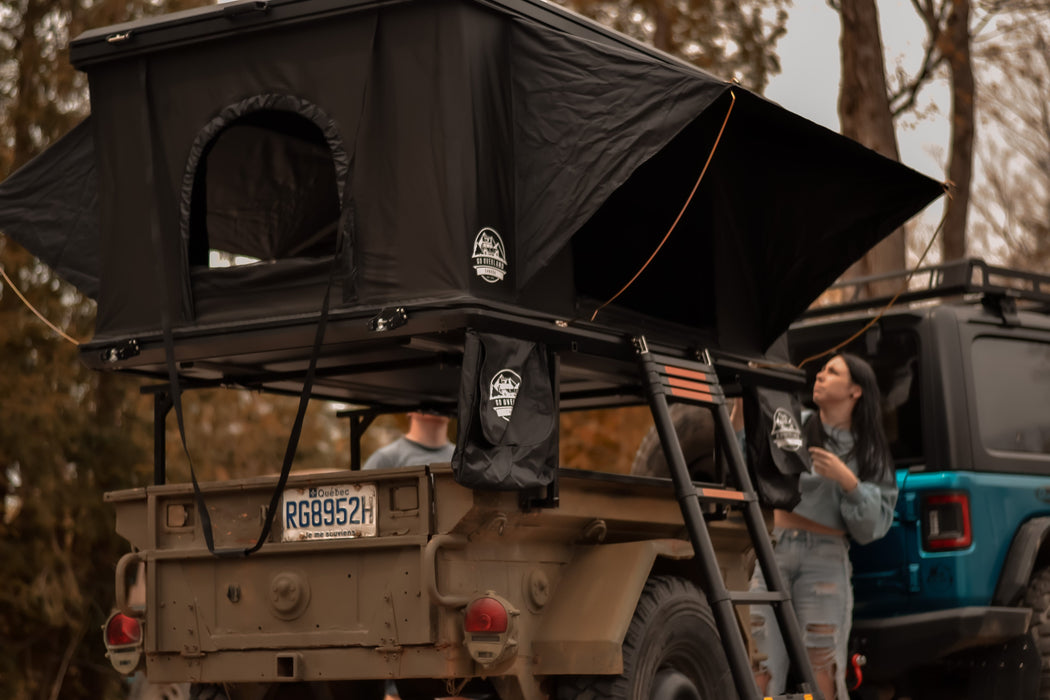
x,y
955,45
662,18
27,49
864,112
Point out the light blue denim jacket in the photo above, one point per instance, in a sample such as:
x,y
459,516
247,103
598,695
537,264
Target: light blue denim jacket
x,y
866,512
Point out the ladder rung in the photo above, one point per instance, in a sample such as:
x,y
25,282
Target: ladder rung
x,y
750,597
708,495
702,373
680,363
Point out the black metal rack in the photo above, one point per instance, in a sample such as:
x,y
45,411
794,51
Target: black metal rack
x,y
969,276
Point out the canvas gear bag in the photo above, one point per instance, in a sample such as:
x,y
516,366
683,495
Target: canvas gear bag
x,y
507,437
775,445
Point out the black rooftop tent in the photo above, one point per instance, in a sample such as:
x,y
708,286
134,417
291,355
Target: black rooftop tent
x,y
422,154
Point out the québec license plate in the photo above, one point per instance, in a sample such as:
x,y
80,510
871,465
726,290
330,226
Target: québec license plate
x,y
340,511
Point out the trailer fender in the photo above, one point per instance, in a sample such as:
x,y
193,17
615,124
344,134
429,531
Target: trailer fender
x,y
1020,561
585,623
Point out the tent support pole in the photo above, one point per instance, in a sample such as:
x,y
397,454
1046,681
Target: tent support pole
x,y
162,405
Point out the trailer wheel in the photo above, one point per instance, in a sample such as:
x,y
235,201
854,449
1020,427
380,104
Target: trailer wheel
x,y
1037,597
672,651
695,427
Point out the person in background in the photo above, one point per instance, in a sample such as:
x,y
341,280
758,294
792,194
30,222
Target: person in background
x,y
425,442
850,494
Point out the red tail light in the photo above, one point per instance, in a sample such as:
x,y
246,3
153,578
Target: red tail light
x,y
122,630
486,615
946,521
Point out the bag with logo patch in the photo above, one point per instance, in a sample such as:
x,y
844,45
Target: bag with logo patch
x,y
776,449
508,416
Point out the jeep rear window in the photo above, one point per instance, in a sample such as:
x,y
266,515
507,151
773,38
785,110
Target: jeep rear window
x,y
1012,385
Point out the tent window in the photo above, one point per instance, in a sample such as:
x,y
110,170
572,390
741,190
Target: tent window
x,y
264,190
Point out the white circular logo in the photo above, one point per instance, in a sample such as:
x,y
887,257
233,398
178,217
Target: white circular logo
x,y
503,390
786,434
489,256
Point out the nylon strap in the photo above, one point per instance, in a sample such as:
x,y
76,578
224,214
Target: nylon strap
x,y
153,155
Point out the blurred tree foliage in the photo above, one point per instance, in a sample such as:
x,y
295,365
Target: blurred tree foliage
x,y
65,435
603,440
733,39
233,434
1013,202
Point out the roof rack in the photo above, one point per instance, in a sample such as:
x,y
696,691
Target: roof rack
x,y
955,278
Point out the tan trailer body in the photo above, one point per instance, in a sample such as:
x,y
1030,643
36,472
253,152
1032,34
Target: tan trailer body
x,y
391,605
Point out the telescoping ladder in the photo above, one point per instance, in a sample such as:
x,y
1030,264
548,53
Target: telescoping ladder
x,y
672,379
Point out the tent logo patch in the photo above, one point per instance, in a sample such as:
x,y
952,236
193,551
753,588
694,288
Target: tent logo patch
x,y
489,256
786,434
503,391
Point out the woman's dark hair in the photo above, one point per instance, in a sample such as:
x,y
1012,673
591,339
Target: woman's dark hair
x,y
870,446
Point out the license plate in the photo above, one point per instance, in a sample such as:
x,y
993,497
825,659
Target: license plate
x,y
333,512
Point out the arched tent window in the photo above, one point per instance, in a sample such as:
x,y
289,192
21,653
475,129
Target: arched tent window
x,y
264,189
263,199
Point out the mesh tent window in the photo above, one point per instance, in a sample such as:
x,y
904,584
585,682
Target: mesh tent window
x,y
262,184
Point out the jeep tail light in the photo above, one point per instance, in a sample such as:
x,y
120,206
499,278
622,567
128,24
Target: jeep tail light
x,y
122,630
946,521
486,615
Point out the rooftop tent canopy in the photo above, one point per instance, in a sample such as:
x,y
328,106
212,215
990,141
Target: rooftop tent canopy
x,y
783,209
396,134
50,206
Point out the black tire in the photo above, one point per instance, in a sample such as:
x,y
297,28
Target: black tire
x,y
208,691
672,651
1037,597
695,427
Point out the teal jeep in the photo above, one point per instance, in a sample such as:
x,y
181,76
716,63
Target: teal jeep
x,y
955,600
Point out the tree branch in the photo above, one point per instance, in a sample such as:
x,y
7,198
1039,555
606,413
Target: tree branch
x,y
63,668
904,98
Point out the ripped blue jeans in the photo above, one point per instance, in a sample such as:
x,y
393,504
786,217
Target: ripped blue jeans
x,y
816,571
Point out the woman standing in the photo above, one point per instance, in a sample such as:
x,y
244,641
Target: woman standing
x,y
850,494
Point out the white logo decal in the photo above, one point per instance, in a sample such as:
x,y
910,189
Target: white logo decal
x,y
503,390
490,257
786,434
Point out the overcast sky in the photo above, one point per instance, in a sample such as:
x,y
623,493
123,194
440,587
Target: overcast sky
x,y
809,84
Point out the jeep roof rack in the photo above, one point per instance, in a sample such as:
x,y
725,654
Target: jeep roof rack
x,y
969,276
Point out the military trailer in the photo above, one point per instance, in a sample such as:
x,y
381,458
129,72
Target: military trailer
x,y
446,204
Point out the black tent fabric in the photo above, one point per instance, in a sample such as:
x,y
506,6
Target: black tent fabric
x,y
50,206
500,151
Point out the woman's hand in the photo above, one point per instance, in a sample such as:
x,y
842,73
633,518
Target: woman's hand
x,y
736,413
831,467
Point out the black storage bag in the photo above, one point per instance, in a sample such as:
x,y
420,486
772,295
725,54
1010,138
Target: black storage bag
x,y
508,417
776,450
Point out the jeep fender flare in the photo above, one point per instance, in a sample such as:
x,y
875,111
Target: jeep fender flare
x,y
1021,560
